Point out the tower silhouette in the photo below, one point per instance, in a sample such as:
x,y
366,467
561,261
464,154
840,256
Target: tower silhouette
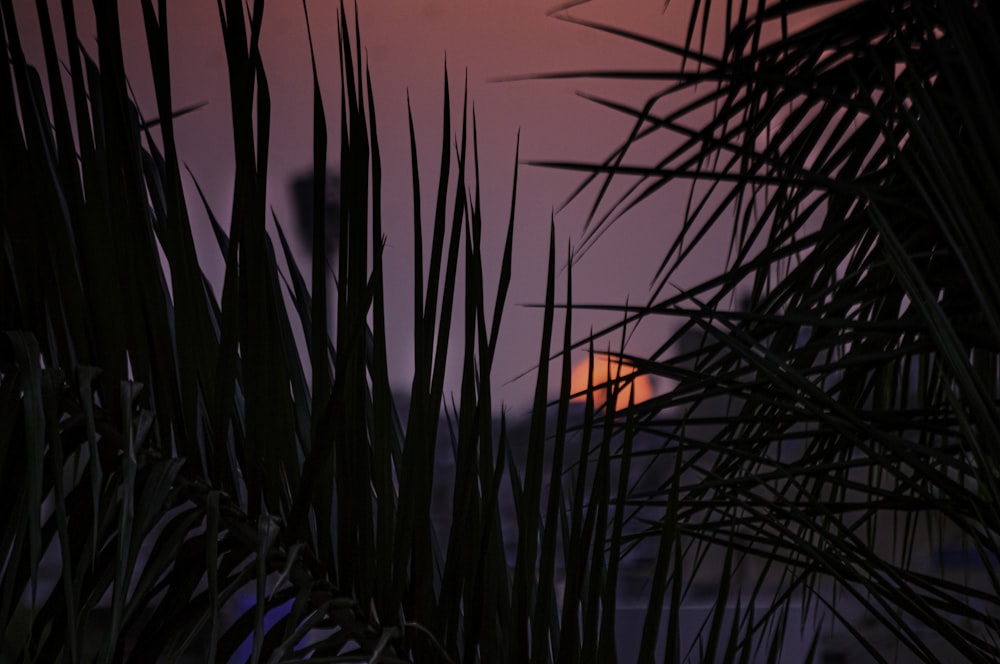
x,y
302,193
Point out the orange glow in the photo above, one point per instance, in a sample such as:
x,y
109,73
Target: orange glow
x,y
611,374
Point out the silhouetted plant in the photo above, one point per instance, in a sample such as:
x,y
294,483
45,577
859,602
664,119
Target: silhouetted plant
x,y
834,435
175,486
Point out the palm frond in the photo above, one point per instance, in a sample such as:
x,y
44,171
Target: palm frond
x,y
836,425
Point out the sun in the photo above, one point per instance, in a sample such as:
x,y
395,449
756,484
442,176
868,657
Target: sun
x,y
612,375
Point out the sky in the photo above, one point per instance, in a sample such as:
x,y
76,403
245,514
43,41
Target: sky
x,y
407,45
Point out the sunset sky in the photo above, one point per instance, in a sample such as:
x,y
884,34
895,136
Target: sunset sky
x,y
406,45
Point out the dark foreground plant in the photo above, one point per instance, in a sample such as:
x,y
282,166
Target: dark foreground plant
x,y
173,485
172,482
836,419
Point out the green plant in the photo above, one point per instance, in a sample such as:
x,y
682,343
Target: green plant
x,y
178,487
835,421
163,452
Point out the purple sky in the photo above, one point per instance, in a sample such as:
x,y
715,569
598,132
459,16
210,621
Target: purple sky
x,y
406,44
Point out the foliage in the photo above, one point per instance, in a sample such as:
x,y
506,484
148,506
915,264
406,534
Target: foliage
x,y
162,449
835,429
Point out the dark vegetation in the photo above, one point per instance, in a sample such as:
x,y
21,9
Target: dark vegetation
x,y
831,441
